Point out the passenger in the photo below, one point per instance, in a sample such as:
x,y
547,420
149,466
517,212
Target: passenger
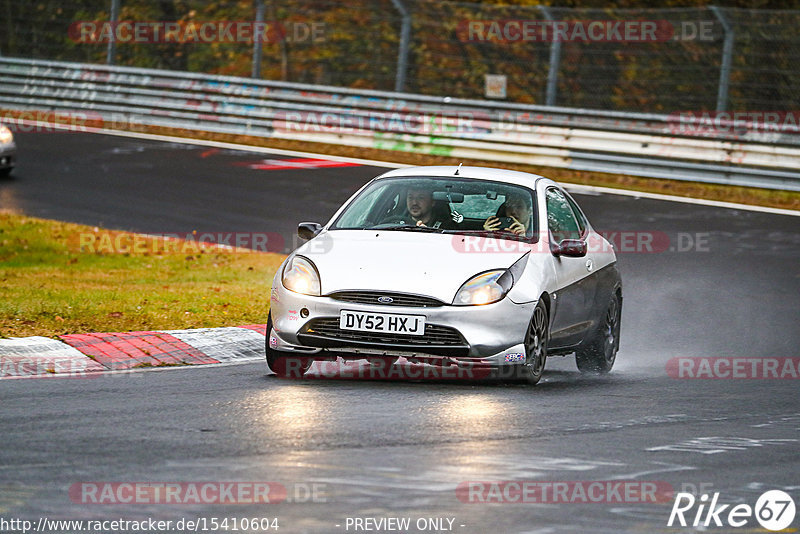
x,y
518,210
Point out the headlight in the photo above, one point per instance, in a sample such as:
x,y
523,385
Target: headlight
x,y
484,288
301,276
5,135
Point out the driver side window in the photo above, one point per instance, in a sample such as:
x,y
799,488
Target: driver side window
x,y
560,220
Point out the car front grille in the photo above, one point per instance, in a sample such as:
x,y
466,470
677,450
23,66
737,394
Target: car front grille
x,y
325,332
397,299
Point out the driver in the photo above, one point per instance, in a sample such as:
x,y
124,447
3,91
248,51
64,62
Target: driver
x,y
419,203
422,208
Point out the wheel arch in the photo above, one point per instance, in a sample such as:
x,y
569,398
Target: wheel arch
x,y
545,298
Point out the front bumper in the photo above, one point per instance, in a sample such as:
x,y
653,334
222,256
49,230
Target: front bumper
x,y
491,335
8,155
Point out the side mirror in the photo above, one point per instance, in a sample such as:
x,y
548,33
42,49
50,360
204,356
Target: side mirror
x,y
572,248
308,230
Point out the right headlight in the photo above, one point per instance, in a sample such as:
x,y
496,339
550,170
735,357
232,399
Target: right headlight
x,y
301,276
5,135
490,286
484,288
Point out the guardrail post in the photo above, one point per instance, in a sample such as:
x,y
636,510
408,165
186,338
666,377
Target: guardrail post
x,y
727,57
258,46
113,18
555,59
402,53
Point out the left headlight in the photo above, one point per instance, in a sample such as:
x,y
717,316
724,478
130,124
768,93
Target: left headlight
x,y
5,135
484,288
301,276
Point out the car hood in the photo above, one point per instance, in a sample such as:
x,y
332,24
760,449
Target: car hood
x,y
404,261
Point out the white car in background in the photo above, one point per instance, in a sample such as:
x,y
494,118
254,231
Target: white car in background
x,y
8,151
374,283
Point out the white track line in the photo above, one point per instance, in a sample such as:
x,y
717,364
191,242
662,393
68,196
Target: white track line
x,y
210,143
578,188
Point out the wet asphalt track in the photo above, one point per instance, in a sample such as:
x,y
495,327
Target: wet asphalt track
x,y
394,448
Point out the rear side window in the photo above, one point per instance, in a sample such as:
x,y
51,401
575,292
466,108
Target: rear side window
x,y
581,218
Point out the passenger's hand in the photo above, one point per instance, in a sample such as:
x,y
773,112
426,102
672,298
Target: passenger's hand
x,y
516,227
492,224
420,223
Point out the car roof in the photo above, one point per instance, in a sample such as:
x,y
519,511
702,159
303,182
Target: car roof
x,y
501,175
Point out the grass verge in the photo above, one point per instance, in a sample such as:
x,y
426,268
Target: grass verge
x,y
52,282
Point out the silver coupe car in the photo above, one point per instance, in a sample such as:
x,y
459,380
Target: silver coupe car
x,y
449,266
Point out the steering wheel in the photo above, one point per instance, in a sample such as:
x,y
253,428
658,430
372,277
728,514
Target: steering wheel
x,y
394,220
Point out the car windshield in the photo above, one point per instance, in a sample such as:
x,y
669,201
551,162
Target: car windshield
x,y
445,205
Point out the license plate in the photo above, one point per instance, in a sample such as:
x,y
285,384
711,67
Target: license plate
x,y
382,322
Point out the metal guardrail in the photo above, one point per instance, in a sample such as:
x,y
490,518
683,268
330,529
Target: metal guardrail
x,y
648,145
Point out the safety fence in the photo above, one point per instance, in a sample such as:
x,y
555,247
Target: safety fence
x,y
706,147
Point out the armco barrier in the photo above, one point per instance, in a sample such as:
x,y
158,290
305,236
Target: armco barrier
x,y
627,143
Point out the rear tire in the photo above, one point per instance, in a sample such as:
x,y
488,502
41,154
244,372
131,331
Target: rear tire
x,y
536,339
284,366
600,352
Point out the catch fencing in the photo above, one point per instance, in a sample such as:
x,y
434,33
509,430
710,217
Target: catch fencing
x,y
654,60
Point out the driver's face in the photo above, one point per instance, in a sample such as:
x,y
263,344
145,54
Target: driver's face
x,y
419,203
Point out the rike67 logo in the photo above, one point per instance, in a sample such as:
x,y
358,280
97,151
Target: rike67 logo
x,y
774,511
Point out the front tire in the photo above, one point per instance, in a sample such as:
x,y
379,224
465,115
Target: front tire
x,y
600,352
284,366
536,339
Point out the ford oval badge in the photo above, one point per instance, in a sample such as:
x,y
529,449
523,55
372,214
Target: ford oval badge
x,y
385,300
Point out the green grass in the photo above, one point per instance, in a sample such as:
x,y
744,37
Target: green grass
x,y
50,285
